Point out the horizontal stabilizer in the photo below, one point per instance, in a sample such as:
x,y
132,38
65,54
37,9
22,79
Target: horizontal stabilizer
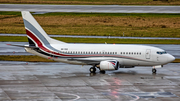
x,y
23,46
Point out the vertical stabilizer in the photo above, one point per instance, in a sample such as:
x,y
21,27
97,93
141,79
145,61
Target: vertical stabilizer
x,y
36,35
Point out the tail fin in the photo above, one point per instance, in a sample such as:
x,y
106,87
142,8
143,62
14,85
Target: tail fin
x,y
36,35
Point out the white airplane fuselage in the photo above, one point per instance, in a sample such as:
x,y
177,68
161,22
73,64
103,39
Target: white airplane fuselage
x,y
127,55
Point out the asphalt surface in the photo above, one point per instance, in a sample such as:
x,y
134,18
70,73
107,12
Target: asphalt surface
x,y
90,8
21,81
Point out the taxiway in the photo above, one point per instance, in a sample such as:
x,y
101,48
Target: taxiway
x,y
90,8
64,82
109,37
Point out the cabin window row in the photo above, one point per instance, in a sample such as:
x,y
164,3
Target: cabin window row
x,y
130,53
122,53
77,52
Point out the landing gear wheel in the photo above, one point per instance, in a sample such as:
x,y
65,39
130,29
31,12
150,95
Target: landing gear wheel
x,y
92,69
154,71
102,71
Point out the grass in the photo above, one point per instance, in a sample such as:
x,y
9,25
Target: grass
x,y
34,58
95,14
96,2
176,61
13,39
95,40
104,24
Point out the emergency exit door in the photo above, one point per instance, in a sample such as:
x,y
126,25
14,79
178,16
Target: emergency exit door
x,y
148,54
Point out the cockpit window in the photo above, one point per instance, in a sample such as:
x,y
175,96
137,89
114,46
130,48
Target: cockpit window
x,y
162,52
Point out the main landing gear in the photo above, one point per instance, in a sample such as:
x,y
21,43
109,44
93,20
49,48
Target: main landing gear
x,y
154,70
102,71
93,70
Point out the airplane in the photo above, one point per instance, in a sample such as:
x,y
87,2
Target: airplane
x,y
102,56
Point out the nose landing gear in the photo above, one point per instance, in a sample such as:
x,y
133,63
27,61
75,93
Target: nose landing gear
x,y
154,70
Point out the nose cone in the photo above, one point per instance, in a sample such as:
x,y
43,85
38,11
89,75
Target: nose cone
x,y
170,58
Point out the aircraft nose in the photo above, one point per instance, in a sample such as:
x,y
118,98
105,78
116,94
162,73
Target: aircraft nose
x,y
170,58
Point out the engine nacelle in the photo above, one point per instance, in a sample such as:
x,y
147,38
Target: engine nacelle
x,y
109,65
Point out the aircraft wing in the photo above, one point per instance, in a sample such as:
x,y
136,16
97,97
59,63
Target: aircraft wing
x,y
86,60
90,61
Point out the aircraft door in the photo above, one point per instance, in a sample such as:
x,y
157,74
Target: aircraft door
x,y
148,53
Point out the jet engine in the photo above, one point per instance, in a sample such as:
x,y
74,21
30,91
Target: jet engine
x,y
109,65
